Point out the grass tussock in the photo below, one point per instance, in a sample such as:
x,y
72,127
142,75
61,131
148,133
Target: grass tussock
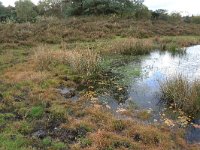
x,y
132,47
82,61
182,94
45,58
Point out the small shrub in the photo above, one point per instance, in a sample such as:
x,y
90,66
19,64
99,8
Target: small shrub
x,y
85,142
118,125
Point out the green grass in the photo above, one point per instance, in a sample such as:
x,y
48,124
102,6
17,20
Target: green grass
x,y
5,117
12,142
36,112
47,141
59,145
10,57
85,142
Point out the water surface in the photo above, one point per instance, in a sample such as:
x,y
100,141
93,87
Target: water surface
x,y
157,67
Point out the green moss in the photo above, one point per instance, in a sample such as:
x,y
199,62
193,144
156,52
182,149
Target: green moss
x,y
46,141
59,145
85,142
36,112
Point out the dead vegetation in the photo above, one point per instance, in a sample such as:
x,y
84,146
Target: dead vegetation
x,y
54,31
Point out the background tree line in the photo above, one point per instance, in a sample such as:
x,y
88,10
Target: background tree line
x,y
26,11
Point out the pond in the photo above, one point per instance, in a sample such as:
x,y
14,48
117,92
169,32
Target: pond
x,y
144,90
155,68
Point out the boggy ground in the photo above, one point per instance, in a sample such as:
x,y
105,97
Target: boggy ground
x,y
48,97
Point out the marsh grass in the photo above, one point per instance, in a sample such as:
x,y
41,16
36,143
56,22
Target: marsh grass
x,y
182,94
176,43
85,61
132,46
173,48
81,61
45,58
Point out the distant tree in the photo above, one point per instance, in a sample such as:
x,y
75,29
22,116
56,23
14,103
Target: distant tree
x,y
98,7
51,7
187,19
2,12
195,19
160,14
25,10
142,12
175,16
75,7
7,13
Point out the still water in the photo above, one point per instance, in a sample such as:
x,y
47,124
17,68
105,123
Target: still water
x,y
155,68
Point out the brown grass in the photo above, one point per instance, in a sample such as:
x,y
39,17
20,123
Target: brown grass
x,y
53,31
132,46
82,61
110,133
25,76
19,73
